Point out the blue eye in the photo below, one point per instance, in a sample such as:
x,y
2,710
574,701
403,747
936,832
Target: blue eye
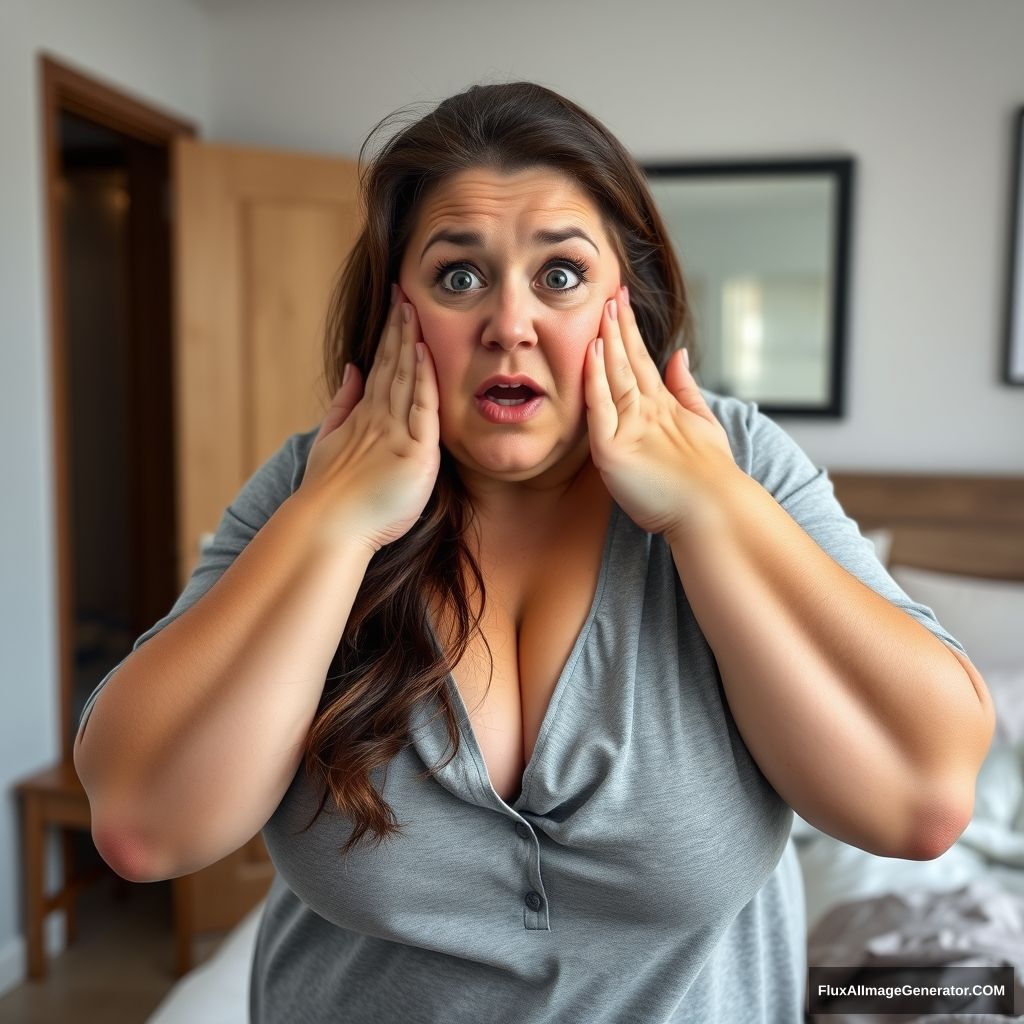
x,y
463,273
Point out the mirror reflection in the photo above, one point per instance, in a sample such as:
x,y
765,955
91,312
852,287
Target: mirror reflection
x,y
763,248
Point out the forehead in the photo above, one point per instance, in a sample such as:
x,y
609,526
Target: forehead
x,y
516,202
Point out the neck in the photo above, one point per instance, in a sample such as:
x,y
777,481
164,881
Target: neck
x,y
532,508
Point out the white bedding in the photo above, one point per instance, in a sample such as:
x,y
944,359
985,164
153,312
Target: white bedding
x,y
217,991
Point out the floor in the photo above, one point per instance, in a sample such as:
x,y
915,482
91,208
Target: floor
x,y
119,968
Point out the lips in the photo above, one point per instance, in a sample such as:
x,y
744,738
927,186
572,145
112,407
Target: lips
x,y
515,380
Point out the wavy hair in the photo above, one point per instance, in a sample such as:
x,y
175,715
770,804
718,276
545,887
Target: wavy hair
x,y
387,661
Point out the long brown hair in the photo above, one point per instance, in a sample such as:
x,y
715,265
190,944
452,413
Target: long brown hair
x,y
386,661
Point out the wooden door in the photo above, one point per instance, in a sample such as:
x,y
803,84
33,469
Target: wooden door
x,y
259,238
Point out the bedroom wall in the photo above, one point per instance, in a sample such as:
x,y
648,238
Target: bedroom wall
x,y
159,52
922,92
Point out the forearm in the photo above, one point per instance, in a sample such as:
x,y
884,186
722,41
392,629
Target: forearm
x,y
194,740
862,720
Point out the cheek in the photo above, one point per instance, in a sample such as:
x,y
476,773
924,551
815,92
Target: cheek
x,y
446,339
451,351
572,342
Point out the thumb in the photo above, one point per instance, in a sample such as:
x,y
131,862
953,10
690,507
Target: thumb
x,y
683,385
344,401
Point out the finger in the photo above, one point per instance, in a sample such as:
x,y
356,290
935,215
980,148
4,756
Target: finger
x,y
602,416
378,382
621,379
647,376
424,422
342,404
404,380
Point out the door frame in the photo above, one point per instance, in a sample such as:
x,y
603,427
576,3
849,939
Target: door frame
x,y
65,89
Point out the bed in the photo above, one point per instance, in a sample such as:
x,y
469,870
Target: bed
x,y
956,544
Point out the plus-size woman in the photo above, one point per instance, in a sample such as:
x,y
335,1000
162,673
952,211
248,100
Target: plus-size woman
x,y
522,659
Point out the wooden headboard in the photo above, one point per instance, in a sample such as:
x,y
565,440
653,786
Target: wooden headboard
x,y
973,525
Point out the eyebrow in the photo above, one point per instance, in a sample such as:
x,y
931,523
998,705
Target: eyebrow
x,y
472,239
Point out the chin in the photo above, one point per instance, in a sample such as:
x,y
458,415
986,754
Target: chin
x,y
505,464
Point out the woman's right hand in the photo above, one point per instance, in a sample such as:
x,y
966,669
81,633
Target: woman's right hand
x,y
374,463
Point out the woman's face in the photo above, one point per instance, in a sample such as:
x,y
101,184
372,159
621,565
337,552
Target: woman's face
x,y
510,302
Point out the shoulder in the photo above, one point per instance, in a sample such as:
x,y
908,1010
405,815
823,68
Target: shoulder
x,y
740,418
762,448
298,446
274,480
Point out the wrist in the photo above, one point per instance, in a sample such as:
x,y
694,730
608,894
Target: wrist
x,y
328,534
709,517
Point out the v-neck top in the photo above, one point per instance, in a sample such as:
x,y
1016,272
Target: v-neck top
x,y
466,731
645,872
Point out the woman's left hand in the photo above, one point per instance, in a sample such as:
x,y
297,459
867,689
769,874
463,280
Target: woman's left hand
x,y
662,453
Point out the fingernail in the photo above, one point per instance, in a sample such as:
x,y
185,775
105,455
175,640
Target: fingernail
x,y
613,310
344,376
406,312
419,352
686,358
625,295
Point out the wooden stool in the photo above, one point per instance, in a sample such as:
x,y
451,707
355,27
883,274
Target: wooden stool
x,y
212,900
53,797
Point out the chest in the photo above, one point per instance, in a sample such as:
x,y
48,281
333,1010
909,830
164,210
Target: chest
x,y
637,785
536,608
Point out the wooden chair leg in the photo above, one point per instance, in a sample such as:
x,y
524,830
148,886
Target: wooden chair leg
x,y
67,838
33,847
182,925
122,887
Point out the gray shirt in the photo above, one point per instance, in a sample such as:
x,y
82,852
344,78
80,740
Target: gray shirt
x,y
644,874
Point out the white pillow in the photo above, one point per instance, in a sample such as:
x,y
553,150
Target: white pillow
x,y
986,616
882,540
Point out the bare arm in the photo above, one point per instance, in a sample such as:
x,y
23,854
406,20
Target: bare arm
x,y
193,742
867,724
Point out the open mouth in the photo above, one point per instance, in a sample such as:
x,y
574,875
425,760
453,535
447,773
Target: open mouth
x,y
503,394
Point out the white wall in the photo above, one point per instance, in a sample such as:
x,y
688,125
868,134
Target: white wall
x,y
158,51
921,91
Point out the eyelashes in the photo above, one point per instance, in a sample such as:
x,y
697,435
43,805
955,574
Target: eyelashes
x,y
580,267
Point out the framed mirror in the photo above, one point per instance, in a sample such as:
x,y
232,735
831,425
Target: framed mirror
x,y
765,252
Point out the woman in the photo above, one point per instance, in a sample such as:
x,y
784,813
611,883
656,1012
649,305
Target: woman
x,y
663,634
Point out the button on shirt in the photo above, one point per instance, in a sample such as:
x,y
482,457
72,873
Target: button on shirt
x,y
643,875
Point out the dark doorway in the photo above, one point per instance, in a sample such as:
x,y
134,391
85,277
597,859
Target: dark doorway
x,y
109,189
114,217
108,185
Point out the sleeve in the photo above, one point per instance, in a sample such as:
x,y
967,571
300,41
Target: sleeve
x,y
805,491
264,492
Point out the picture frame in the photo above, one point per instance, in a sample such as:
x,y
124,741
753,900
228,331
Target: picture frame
x,y
764,246
1013,334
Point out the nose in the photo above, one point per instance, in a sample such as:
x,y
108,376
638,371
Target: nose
x,y
508,317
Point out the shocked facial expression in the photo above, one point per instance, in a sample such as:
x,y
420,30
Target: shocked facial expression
x,y
509,274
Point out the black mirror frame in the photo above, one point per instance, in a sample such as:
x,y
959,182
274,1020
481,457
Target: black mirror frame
x,y
1013,313
842,169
